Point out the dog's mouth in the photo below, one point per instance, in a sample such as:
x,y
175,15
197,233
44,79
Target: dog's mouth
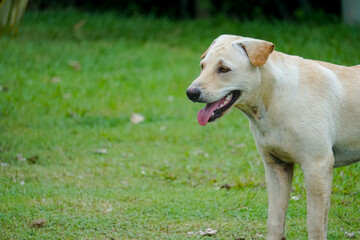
x,y
215,110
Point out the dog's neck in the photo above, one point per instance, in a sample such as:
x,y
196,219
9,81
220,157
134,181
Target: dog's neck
x,y
262,105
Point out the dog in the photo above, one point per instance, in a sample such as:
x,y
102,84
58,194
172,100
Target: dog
x,y
301,111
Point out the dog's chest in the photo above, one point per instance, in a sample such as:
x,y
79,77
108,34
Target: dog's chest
x,y
273,140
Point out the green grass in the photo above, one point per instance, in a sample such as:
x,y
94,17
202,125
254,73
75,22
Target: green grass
x,y
161,178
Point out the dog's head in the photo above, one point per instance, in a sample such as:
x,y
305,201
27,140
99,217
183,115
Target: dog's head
x,y
229,74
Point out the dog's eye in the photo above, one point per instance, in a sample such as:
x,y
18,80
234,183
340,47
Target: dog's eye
x,y
202,66
223,69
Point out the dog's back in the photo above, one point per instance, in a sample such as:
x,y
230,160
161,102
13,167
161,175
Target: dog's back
x,y
335,88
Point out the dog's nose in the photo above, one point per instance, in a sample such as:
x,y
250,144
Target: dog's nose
x,y
193,94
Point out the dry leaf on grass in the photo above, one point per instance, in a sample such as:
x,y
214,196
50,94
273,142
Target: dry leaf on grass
x,y
126,155
55,79
206,232
20,157
236,145
100,151
38,223
74,64
350,234
79,25
200,152
33,159
67,95
125,183
170,98
295,198
108,210
137,118
259,235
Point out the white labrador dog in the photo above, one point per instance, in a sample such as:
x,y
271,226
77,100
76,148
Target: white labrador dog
x,y
301,111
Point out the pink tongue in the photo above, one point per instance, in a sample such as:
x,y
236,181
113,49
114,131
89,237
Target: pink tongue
x,y
205,113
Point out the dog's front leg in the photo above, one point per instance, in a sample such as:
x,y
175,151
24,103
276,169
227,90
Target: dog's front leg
x,y
318,181
278,181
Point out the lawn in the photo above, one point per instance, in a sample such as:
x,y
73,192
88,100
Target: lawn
x,y
70,154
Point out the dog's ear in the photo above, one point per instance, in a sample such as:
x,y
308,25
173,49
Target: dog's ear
x,y
204,54
258,51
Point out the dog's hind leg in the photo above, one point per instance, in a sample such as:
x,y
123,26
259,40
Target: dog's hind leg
x,y
278,180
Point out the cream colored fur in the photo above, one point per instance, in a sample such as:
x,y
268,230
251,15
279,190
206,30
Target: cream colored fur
x,y
300,111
